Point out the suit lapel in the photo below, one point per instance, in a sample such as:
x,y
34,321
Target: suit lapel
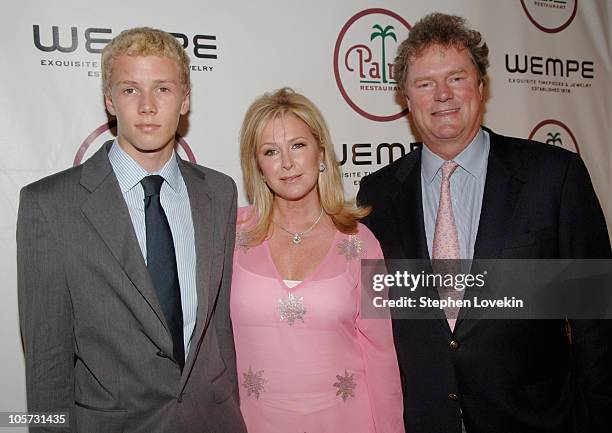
x,y
408,211
107,212
208,272
501,193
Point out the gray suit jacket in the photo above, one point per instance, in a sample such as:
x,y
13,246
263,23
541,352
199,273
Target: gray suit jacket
x,y
95,339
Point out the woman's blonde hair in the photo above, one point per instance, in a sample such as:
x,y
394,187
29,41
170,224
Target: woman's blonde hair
x,y
285,101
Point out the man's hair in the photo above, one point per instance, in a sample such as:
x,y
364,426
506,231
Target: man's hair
x,y
144,41
440,29
274,105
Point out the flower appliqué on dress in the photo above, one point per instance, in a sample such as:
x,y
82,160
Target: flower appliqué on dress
x,y
346,385
254,382
242,241
291,309
352,248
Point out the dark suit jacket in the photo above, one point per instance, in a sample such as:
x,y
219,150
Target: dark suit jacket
x,y
506,376
95,339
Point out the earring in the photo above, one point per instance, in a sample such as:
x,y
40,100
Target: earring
x,y
322,167
263,178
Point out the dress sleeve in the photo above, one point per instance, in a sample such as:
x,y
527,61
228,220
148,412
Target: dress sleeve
x,y
375,337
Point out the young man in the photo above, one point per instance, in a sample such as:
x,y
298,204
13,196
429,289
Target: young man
x,y
470,193
124,266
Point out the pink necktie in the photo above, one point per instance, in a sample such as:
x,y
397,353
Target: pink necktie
x,y
446,241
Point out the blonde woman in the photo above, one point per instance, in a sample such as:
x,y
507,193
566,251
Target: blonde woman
x,y
307,361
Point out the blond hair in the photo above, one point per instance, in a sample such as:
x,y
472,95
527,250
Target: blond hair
x,y
144,41
285,101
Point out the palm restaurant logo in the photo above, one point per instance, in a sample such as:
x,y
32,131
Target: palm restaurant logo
x,y
363,63
555,133
550,16
108,131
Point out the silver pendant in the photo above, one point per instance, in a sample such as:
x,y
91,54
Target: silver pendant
x,y
296,239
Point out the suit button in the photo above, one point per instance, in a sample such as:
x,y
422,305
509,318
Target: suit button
x,y
454,345
180,398
453,396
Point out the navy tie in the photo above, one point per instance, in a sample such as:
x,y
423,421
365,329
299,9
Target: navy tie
x,y
161,262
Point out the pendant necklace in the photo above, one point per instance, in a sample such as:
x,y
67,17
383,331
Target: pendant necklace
x,y
296,238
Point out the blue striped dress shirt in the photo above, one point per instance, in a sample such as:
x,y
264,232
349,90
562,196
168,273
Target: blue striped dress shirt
x,y
467,189
175,201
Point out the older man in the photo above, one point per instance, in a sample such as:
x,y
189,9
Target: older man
x,y
469,193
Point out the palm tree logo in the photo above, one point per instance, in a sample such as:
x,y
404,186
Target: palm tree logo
x,y
383,34
554,139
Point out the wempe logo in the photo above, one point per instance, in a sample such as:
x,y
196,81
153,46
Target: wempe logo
x,y
550,16
63,44
549,74
107,131
363,63
555,133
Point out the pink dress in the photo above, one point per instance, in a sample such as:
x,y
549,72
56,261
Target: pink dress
x,y
307,362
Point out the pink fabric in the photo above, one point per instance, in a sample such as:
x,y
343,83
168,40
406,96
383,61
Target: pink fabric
x,y
446,239
329,370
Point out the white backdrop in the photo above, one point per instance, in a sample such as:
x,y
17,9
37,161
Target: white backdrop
x,y
549,78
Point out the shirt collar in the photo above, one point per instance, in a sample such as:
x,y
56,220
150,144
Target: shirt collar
x,y
472,159
129,173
